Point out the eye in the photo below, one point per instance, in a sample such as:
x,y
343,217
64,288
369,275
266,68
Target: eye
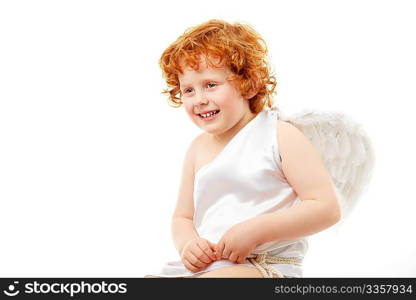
x,y
187,90
211,84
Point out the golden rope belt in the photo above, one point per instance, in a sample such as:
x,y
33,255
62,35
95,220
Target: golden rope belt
x,y
261,261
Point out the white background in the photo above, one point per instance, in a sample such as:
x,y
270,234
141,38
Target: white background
x,y
91,153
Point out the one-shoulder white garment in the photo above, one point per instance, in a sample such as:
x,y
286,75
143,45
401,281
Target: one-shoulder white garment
x,y
243,181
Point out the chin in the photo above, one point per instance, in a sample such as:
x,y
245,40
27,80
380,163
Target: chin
x,y
212,131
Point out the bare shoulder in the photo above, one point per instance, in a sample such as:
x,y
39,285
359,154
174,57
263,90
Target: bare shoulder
x,y
184,206
197,144
288,134
284,127
193,149
285,134
292,141
302,164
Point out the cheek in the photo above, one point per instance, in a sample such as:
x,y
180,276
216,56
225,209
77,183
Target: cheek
x,y
189,110
230,100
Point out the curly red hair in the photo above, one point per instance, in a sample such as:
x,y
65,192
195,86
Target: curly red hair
x,y
238,45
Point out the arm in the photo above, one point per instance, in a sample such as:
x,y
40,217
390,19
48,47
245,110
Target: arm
x,y
183,230
306,173
196,252
182,226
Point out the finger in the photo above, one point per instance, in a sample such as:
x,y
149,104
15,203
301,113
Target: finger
x,y
212,245
233,257
220,249
208,251
226,253
241,259
200,253
190,266
195,261
214,248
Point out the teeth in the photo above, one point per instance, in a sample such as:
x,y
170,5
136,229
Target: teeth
x,y
208,114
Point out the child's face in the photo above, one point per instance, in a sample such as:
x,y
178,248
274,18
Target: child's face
x,y
208,90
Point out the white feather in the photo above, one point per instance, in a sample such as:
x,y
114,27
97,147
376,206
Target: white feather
x,y
345,149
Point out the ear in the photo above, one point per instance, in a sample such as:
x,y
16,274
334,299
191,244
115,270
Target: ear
x,y
253,89
251,94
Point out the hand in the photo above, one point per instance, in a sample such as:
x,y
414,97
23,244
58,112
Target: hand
x,y
237,242
197,254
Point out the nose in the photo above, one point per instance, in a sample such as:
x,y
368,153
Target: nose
x,y
201,99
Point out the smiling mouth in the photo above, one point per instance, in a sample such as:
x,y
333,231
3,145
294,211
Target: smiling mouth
x,y
209,116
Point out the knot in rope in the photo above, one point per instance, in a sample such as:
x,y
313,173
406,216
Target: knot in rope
x,y
261,261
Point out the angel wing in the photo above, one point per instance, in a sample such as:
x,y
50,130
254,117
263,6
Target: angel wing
x,y
345,148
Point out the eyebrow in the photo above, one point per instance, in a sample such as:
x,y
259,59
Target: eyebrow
x,y
208,79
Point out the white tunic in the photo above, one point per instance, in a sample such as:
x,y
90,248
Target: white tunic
x,y
243,181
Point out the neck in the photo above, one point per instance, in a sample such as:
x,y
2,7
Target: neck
x,y
230,133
